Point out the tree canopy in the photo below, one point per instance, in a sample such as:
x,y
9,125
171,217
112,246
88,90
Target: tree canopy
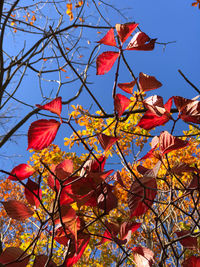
x,y
121,188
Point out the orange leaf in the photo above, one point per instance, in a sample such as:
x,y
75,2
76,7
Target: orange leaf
x,y
127,87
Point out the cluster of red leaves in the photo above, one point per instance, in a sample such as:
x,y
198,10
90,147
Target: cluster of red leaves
x,y
158,114
140,41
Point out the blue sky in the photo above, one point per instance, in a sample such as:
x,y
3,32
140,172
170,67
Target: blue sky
x,y
165,20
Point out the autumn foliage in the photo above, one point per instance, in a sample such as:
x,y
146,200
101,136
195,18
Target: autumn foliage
x,y
145,211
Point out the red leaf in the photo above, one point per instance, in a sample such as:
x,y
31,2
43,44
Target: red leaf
x,y
189,110
157,115
51,180
31,198
106,199
67,214
141,41
187,242
64,169
107,141
143,257
11,254
42,133
127,87
74,255
127,228
169,143
155,105
55,106
150,154
181,102
93,165
192,261
125,30
148,83
105,61
121,103
22,171
17,210
108,39
41,260
150,120
117,177
140,198
110,233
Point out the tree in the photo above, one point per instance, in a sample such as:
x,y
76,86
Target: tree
x,y
74,208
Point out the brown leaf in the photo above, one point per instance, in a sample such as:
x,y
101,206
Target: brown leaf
x,y
12,254
17,210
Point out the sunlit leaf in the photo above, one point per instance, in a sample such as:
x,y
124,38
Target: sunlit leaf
x,y
169,142
22,171
127,87
125,30
31,198
105,61
143,257
107,141
109,38
148,83
55,106
141,41
121,103
42,133
75,254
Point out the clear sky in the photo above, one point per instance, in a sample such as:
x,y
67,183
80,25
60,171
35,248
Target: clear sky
x,y
165,20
